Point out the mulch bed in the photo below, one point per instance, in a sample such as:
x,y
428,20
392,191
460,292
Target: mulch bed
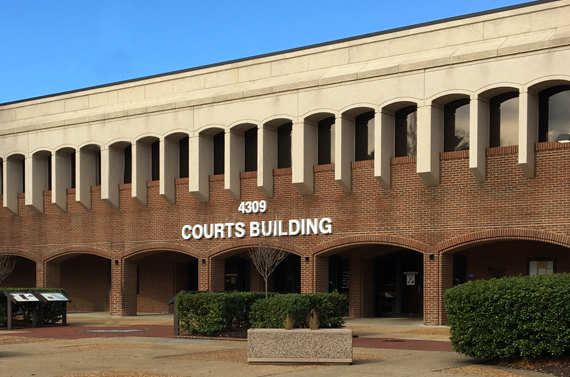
x,y
554,365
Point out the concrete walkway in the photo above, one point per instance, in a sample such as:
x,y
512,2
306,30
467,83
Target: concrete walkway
x,y
123,348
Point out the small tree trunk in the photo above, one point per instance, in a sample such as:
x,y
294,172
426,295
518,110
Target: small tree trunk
x,y
266,294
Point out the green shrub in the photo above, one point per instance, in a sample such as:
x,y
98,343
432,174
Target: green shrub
x,y
209,313
519,316
272,312
52,311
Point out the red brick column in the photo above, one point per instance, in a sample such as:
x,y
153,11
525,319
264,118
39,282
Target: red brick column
x,y
40,275
52,275
123,295
356,287
203,274
321,274
256,283
307,276
446,281
217,274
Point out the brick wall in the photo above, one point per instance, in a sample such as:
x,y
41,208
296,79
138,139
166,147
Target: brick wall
x,y
458,214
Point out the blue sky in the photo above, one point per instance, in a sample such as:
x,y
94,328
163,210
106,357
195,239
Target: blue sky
x,y
56,46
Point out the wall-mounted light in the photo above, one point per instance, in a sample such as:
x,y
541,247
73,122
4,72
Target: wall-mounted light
x,y
116,261
306,259
431,257
203,261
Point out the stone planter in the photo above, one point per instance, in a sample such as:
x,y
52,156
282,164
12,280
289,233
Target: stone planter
x,y
299,346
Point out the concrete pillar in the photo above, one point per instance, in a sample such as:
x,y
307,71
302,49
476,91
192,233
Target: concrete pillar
x,y
13,183
200,166
217,274
112,165
528,131
234,163
384,146
61,179
52,275
36,182
142,171
479,130
304,155
266,159
344,151
169,168
430,143
86,176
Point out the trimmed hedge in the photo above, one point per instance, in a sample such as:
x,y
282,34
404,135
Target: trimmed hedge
x,y
517,316
52,311
209,313
272,312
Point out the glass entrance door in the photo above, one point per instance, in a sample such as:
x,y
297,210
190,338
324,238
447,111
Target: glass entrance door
x,y
399,284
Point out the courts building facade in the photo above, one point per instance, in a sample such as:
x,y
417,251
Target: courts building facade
x,y
389,166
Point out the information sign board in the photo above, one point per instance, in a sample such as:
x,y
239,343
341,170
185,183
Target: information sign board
x,y
23,297
53,296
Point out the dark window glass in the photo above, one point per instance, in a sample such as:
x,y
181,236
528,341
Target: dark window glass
x,y
456,125
554,112
364,136
339,274
72,172
504,120
284,145
155,160
236,274
219,153
128,169
1,176
23,162
326,141
287,275
405,132
183,155
250,137
98,168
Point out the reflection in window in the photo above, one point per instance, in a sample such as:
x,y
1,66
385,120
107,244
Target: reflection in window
x,y
406,131
326,141
219,153
364,136
456,125
504,122
250,137
554,112
284,145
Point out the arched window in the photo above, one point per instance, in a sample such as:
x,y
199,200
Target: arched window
x,y
219,153
554,112
406,131
326,141
284,145
504,120
250,140
364,136
456,125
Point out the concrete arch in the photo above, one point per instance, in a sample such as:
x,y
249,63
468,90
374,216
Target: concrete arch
x,y
211,129
20,253
277,120
72,251
146,135
396,104
159,246
243,125
368,239
65,146
178,131
354,109
504,234
492,90
90,143
248,243
315,115
15,153
546,82
41,149
119,142
447,96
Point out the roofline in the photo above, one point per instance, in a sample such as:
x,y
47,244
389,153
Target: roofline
x,y
354,38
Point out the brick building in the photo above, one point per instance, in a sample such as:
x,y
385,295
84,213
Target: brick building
x,y
398,163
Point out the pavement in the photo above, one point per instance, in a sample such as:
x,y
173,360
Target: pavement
x,y
98,345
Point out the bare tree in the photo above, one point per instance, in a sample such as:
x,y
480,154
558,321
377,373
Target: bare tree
x,y
7,264
266,256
